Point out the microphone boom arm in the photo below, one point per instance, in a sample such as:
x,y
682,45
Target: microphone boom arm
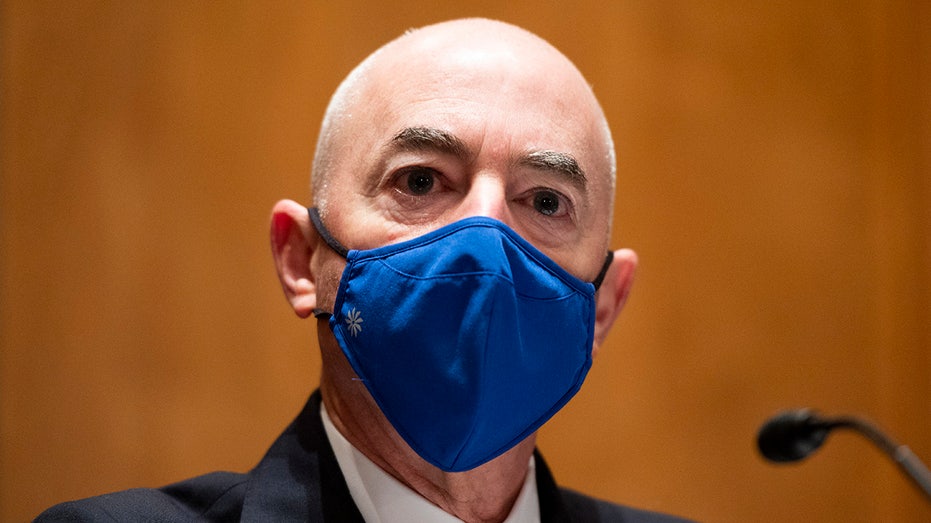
x,y
793,435
907,460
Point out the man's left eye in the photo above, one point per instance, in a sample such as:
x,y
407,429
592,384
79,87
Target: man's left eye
x,y
546,202
420,181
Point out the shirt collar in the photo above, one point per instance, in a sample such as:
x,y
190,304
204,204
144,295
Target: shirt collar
x,y
383,499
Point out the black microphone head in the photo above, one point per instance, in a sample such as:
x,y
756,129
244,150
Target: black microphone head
x,y
791,436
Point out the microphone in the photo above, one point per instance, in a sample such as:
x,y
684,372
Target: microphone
x,y
794,435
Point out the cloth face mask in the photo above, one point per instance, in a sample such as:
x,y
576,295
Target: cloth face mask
x,y
468,337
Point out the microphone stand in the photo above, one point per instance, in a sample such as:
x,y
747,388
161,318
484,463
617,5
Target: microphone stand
x,y
794,435
903,456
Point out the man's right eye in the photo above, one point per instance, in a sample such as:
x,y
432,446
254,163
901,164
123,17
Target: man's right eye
x,y
419,180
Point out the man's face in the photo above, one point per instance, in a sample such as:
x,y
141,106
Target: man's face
x,y
440,133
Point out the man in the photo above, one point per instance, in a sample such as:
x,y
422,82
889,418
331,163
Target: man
x,y
463,190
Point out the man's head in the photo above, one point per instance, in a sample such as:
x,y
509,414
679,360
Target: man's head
x,y
454,120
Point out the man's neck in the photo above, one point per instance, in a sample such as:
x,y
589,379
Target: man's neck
x,y
483,494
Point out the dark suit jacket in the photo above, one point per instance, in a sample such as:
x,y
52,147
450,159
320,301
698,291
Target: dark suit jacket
x,y
299,480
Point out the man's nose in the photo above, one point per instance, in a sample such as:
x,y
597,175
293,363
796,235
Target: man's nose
x,y
487,196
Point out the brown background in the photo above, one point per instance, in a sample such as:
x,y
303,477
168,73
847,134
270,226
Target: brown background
x,y
774,168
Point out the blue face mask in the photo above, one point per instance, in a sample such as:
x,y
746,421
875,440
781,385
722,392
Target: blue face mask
x,y
468,337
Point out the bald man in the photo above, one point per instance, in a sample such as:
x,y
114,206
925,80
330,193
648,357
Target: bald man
x,y
456,259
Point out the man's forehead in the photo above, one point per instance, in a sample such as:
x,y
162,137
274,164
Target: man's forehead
x,y
484,85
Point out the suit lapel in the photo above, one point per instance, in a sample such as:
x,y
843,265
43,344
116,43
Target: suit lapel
x,y
553,508
299,478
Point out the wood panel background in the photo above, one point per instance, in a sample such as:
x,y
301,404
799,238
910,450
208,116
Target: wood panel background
x,y
773,175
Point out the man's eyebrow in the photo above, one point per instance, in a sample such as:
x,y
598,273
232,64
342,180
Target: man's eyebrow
x,y
423,138
429,138
563,164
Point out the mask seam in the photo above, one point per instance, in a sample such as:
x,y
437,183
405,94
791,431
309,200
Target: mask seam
x,y
478,221
577,382
483,395
484,274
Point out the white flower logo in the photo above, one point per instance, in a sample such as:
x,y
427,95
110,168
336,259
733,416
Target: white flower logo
x,y
354,322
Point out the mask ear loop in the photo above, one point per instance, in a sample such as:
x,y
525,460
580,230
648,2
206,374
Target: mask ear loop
x,y
604,270
332,242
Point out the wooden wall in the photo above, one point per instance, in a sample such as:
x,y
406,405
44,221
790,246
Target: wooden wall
x,y
774,163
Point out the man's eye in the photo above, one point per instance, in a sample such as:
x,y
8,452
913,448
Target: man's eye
x,y
420,180
546,202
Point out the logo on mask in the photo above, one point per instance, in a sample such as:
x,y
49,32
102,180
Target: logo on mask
x,y
354,322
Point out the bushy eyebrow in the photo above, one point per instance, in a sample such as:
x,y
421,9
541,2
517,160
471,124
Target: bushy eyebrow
x,y
429,138
556,162
433,139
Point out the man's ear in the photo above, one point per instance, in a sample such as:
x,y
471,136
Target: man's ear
x,y
292,246
611,296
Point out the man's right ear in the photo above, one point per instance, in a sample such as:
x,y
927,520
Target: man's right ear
x,y
292,242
